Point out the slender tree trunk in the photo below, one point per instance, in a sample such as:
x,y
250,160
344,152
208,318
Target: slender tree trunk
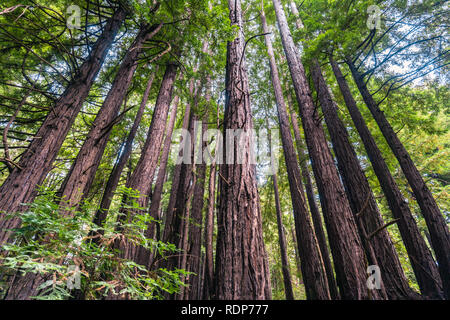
x,y
170,216
282,241
317,221
142,177
297,257
437,226
82,173
379,247
195,229
420,256
346,247
285,268
242,270
315,214
314,275
185,223
159,184
208,291
173,230
36,162
125,153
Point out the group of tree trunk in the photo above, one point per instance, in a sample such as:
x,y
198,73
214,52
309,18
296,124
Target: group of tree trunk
x,y
333,265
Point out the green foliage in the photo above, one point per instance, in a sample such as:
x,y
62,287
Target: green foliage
x,y
50,244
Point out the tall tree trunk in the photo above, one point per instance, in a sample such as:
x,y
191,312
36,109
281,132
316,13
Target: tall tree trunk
x,y
125,153
170,216
208,291
36,162
82,173
183,173
420,256
208,288
282,241
159,184
437,226
297,257
314,275
185,223
379,247
317,221
346,247
142,177
195,229
315,214
242,270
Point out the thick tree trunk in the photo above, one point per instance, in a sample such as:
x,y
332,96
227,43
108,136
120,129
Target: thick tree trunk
x,y
81,175
348,254
420,256
142,177
379,248
36,162
437,226
125,153
314,275
313,208
242,270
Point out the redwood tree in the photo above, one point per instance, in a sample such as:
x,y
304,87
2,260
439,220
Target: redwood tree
x,y
314,275
437,226
125,153
421,259
142,177
242,270
36,162
377,242
348,254
82,173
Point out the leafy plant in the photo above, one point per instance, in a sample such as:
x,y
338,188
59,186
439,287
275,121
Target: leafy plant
x,y
59,247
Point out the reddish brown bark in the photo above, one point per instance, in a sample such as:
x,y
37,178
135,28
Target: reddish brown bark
x,y
208,290
437,226
142,177
420,256
282,242
159,184
348,254
20,186
242,270
379,248
82,173
193,262
170,216
314,276
125,153
313,208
